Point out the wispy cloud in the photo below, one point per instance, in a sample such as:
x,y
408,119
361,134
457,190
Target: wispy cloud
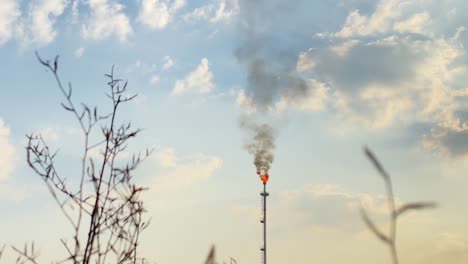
x,y
7,154
222,11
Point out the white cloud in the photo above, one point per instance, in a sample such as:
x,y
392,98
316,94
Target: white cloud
x,y
7,153
106,19
155,79
382,75
305,62
175,172
37,28
157,14
387,17
415,24
79,52
221,12
9,13
198,81
314,100
166,157
246,101
343,48
168,63
392,81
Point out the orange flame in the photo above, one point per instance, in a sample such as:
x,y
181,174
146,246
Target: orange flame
x,y
264,178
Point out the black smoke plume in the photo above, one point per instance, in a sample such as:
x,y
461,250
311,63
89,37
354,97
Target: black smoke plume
x,y
270,72
262,144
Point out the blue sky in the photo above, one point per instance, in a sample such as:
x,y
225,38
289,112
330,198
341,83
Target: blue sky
x,y
328,76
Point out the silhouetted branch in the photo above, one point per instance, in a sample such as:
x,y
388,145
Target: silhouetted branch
x,y
27,255
105,194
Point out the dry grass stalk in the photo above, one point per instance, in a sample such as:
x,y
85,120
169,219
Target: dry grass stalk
x,y
2,251
211,258
390,238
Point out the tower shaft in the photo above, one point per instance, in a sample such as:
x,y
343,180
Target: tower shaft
x,y
263,250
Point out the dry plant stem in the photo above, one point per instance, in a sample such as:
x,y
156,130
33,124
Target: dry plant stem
x,y
2,251
211,258
394,213
109,208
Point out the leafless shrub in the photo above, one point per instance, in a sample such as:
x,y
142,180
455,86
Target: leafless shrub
x,y
390,238
104,206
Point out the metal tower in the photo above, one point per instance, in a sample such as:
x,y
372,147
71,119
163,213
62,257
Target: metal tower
x,y
263,249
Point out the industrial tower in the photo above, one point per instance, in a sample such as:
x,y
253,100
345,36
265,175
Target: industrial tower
x,y
264,195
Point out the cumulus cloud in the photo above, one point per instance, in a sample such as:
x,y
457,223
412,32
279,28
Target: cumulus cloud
x,y
198,81
106,19
7,152
179,172
37,27
9,13
157,14
387,66
245,101
221,11
379,21
397,80
389,16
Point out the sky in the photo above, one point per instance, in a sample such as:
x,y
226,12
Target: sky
x,y
328,78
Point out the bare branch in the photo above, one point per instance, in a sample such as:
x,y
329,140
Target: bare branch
x,y
105,195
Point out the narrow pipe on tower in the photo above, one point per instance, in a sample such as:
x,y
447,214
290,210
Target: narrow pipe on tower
x,y
264,194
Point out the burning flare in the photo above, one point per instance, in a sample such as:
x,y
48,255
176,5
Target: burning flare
x,y
263,177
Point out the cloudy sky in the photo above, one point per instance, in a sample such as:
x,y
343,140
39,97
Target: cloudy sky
x,y
328,76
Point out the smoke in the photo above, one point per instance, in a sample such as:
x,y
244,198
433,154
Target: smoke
x,y
270,70
265,54
261,145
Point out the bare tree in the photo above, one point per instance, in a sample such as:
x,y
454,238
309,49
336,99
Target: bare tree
x,y
394,212
103,204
